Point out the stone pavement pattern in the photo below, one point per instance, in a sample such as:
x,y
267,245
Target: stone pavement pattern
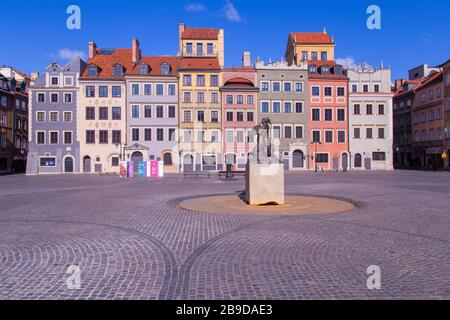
x,y
131,240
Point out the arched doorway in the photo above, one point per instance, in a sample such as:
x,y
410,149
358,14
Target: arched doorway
x,y
344,162
358,161
68,164
167,159
188,163
298,159
230,158
87,164
136,157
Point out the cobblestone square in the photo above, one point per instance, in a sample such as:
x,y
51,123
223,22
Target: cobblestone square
x,y
132,241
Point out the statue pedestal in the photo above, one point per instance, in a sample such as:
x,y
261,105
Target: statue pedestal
x,y
264,184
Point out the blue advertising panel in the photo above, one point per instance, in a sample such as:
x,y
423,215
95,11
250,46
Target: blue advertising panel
x,y
141,169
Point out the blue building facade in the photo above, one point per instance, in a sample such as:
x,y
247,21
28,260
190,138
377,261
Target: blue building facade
x,y
54,147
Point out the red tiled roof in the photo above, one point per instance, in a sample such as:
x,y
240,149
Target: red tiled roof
x,y
320,63
200,33
155,63
311,37
239,82
105,63
429,80
199,64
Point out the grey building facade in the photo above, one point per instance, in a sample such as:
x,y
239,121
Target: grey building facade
x,y
54,147
283,97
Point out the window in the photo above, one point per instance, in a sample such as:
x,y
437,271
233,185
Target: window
x,y
323,55
47,162
187,97
423,117
187,80
264,86
199,49
325,70
200,80
287,107
116,113
116,91
369,109
187,116
214,80
53,98
229,116
40,137
160,134
90,113
275,86
304,55
90,136
135,112
381,109
165,69
40,99
250,116
40,117
53,137
189,47
147,111
356,133
172,90
114,161
287,87
299,107
103,136
276,132
341,136
135,89
314,55
171,111
276,107
214,136
67,116
369,133
379,156
381,133
240,99
102,91
201,116
117,70
316,136
54,81
214,97
298,132
298,87
264,107
315,114
341,91
200,97
328,114
54,115
143,69
366,88
160,111
214,116
376,88
210,48
92,71
239,136
357,109
159,90
230,137
67,97
67,137
103,113
90,91
135,134
171,134
229,99
288,132
147,89
341,114
329,136
315,91
312,69
321,157
148,134
116,136
187,136
354,88
240,116
250,99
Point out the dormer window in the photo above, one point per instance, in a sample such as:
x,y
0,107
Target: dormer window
x,y
337,70
312,69
4,85
143,69
165,69
117,70
92,70
325,70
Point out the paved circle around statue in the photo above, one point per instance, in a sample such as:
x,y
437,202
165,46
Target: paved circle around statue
x,y
294,205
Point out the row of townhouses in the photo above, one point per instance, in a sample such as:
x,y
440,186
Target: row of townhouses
x,y
193,113
422,118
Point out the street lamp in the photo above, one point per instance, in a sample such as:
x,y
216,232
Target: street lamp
x,y
316,143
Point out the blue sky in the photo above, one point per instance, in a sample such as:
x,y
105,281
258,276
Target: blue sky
x,y
412,33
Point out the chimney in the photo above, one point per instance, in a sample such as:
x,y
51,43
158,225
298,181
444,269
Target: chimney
x,y
34,75
181,28
246,59
92,49
135,51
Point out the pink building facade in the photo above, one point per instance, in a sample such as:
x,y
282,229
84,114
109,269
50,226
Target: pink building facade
x,y
239,98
